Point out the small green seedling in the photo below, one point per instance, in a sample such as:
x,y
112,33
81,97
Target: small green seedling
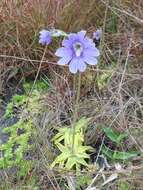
x,y
118,139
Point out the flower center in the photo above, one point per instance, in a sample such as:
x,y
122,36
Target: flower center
x,y
78,48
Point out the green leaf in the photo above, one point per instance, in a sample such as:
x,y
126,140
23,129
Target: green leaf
x,y
116,155
82,162
78,140
60,159
124,155
83,149
61,147
83,181
103,79
68,137
113,136
124,185
70,163
9,110
58,137
82,155
63,157
82,123
121,137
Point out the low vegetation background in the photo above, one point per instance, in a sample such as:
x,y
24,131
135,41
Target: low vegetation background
x,y
36,93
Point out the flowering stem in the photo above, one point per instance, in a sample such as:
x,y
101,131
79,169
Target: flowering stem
x,y
78,89
76,104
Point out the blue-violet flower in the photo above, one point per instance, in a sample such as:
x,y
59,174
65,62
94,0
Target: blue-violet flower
x,y
45,37
78,50
97,34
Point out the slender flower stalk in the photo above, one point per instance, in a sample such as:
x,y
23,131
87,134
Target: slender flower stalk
x,y
76,104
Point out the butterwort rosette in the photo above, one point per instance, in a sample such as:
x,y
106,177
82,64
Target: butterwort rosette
x,y
77,51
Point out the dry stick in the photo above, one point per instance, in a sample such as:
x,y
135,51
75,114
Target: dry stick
x,y
124,171
54,63
71,182
40,65
24,59
37,74
126,62
114,9
94,179
140,21
122,117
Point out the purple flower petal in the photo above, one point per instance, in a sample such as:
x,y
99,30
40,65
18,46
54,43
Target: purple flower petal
x,y
73,67
62,52
81,65
45,37
64,61
97,34
88,43
90,60
94,52
68,42
81,34
77,65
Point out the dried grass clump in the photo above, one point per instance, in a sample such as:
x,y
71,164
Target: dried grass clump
x,y
21,22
